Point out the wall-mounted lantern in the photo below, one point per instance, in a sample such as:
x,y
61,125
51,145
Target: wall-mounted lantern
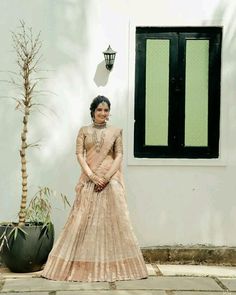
x,y
109,56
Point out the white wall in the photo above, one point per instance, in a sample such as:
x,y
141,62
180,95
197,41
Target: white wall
x,y
169,204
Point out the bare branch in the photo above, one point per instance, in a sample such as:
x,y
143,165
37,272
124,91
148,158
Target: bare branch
x,y
45,92
33,66
39,79
19,105
45,70
46,107
39,111
11,72
36,144
11,82
32,88
11,97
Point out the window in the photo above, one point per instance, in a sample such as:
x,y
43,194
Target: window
x,y
177,92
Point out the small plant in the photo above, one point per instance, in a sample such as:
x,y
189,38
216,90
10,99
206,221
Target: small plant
x,y
38,212
4,238
39,208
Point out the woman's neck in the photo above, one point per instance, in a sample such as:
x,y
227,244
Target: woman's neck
x,y
96,124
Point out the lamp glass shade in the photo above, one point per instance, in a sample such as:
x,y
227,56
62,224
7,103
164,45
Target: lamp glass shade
x,y
109,56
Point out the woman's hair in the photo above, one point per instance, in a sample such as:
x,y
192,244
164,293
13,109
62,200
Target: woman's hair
x,y
96,101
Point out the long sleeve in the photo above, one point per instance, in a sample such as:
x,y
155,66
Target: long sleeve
x,y
80,152
118,153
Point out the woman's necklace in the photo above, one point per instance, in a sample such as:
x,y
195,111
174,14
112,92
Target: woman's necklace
x,y
98,142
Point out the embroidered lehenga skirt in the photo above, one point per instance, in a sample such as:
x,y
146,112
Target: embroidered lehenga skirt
x,y
97,242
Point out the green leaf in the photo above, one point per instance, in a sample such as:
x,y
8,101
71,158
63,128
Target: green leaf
x,y
23,231
39,208
15,233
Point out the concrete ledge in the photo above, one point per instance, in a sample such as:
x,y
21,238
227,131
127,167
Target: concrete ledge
x,y
209,255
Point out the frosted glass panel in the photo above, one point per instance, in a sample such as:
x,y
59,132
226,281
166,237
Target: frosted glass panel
x,y
157,92
196,93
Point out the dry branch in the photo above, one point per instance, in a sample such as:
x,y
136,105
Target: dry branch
x,y
27,48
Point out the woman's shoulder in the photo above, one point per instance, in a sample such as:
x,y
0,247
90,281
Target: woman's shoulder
x,y
116,129
85,128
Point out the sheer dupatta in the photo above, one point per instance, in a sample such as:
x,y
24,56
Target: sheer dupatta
x,y
95,159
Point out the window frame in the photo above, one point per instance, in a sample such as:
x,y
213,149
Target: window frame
x,y
178,36
130,160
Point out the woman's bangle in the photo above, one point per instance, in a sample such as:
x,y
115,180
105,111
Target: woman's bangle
x,y
91,176
106,178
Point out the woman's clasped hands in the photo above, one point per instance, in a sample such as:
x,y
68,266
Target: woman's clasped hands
x,y
100,182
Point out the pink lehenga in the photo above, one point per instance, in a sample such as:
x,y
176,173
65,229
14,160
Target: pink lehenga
x,y
97,242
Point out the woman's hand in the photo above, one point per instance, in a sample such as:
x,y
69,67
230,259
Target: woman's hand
x,y
100,182
101,185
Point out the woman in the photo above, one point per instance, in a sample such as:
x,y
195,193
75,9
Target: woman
x,y
98,242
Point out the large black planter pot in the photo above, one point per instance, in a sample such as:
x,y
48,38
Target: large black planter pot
x,y
27,253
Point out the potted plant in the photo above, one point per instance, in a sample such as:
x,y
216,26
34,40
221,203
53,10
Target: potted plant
x,y
26,248
25,245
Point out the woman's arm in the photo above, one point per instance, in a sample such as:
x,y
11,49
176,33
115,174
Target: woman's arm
x,y
118,154
81,159
80,153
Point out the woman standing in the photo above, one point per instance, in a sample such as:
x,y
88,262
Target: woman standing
x,y
97,242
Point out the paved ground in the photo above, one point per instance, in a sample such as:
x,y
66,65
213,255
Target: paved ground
x,y
163,280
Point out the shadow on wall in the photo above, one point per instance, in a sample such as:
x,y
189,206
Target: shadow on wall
x,y
101,75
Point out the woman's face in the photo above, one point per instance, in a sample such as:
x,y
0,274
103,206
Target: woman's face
x,y
101,113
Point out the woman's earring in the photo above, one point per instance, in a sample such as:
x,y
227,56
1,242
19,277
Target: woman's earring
x,y
108,117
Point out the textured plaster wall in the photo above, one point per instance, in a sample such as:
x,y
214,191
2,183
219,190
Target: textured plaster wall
x,y
169,204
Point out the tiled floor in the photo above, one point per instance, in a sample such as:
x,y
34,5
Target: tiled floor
x,y
162,280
